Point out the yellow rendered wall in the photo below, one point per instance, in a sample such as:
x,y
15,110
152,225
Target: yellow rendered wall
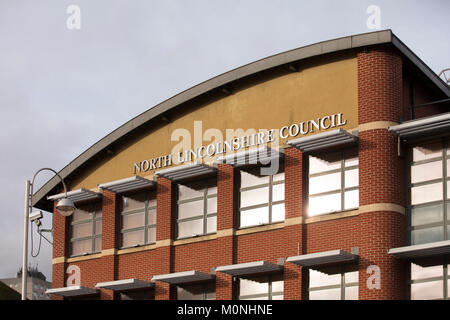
x,y
317,90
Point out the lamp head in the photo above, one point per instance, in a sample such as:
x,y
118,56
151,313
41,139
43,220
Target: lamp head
x,y
65,207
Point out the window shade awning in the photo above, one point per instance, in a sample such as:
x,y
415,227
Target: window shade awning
x,y
184,277
73,291
422,127
186,171
324,140
261,156
421,250
77,195
248,268
323,258
123,285
128,184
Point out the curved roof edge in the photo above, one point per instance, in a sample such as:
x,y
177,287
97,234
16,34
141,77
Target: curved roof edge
x,y
317,49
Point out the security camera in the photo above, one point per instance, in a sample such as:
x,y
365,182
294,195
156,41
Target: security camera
x,y
36,217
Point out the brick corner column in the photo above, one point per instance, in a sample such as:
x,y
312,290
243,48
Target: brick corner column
x,y
165,219
60,250
294,284
227,208
381,175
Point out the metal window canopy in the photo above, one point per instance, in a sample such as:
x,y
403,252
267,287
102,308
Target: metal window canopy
x,y
73,291
127,184
186,171
123,285
77,195
254,156
184,277
249,268
323,258
421,250
338,137
422,127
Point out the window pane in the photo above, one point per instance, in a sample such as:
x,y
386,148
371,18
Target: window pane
x,y
351,277
426,171
133,202
190,209
190,228
82,230
351,199
151,216
277,286
81,246
327,294
81,214
418,272
134,220
278,192
254,286
254,217
248,180
192,292
320,279
427,235
351,162
325,183
211,224
254,197
132,238
212,190
278,176
427,214
427,290
211,205
98,244
324,204
426,193
185,192
278,212
351,293
427,151
324,163
152,203
351,178
151,235
98,227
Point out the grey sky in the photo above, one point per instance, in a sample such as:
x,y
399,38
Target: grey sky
x,y
62,90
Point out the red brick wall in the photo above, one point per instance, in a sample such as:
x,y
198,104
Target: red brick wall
x,y
60,249
381,171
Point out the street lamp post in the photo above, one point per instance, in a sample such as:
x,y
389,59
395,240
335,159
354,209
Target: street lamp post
x,y
65,207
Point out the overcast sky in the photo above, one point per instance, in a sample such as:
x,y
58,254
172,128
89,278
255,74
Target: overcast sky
x,y
62,90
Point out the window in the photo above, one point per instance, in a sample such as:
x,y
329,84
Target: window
x,y
86,230
340,285
138,215
428,211
430,282
203,291
262,288
147,294
333,182
197,208
261,198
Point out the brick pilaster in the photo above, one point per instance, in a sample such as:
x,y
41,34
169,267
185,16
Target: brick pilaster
x,y
60,249
227,206
165,194
294,181
381,172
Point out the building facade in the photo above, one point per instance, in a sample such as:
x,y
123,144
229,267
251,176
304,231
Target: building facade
x,y
318,173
